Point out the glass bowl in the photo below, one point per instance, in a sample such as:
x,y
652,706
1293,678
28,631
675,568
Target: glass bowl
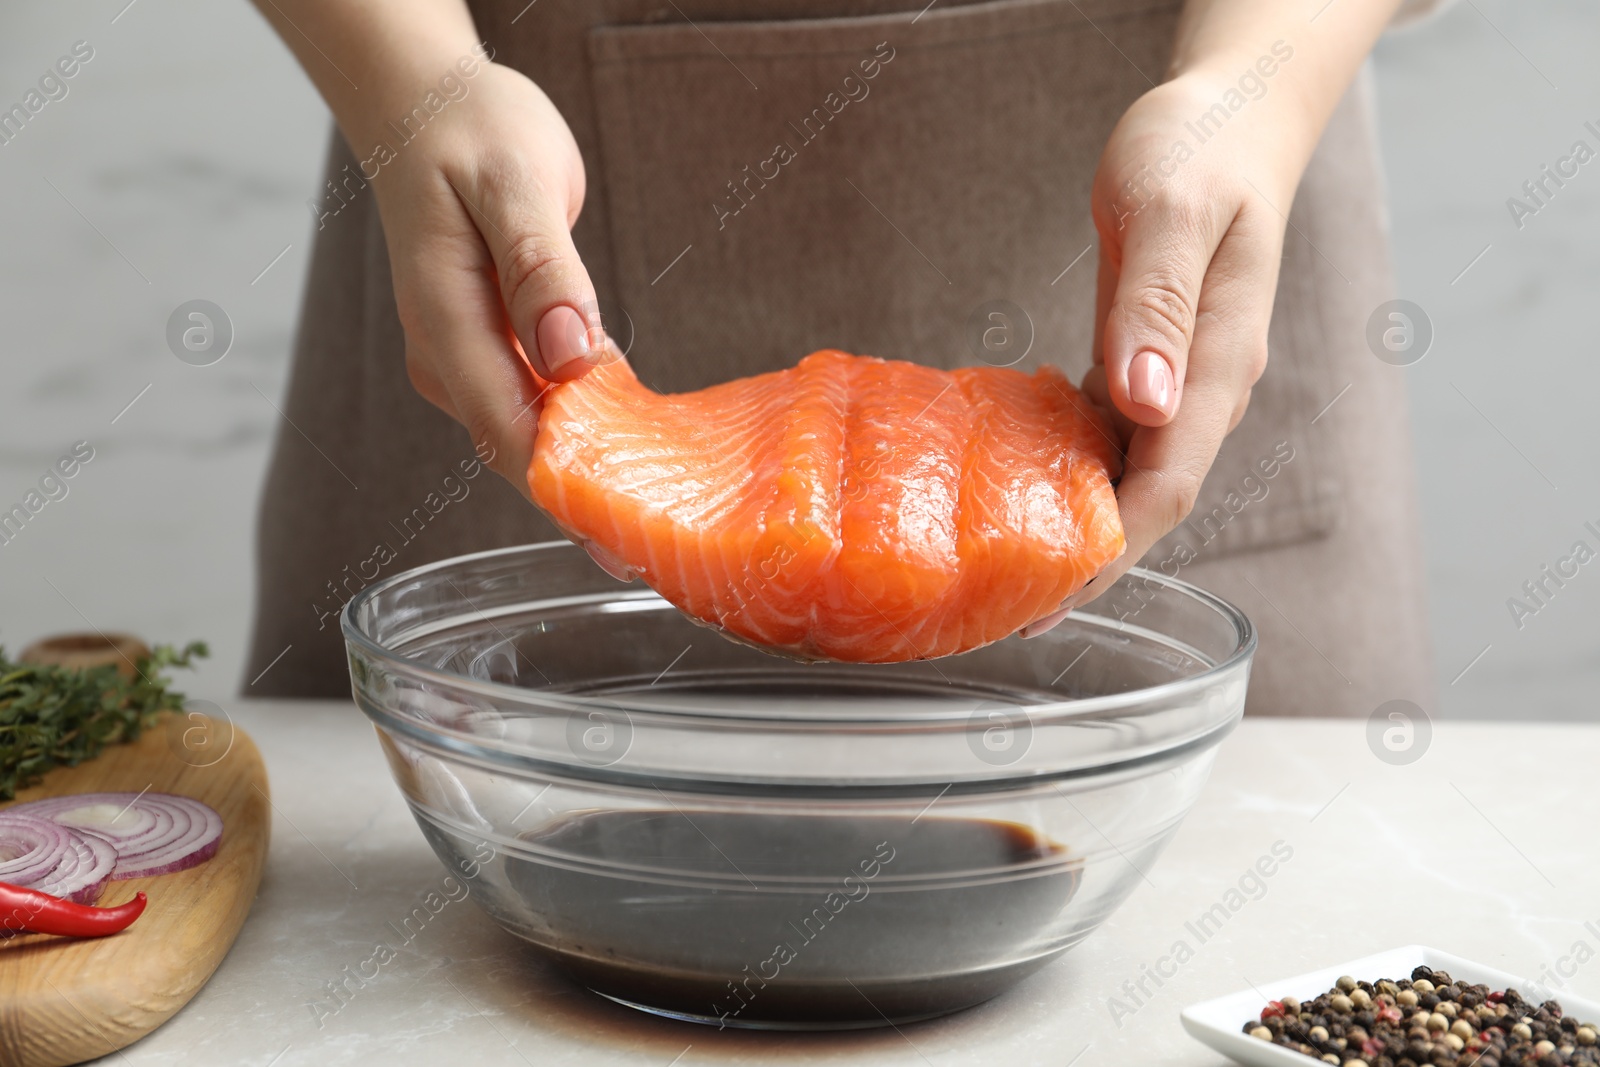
x,y
702,830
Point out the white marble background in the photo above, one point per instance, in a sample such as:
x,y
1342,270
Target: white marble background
x,y
178,166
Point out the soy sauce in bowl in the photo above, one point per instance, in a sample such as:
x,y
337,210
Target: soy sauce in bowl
x,y
752,918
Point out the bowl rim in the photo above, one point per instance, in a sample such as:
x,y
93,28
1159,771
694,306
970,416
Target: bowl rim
x,y
1244,648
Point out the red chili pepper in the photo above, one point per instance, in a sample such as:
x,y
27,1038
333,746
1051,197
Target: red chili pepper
x,y
33,912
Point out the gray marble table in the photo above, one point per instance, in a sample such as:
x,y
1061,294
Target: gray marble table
x,y
1483,847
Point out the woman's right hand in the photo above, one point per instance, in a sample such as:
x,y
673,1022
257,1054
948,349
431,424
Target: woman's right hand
x,y
477,207
477,212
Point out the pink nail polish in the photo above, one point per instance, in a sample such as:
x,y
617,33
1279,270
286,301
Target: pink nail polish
x,y
563,337
596,349
1046,624
608,561
1150,382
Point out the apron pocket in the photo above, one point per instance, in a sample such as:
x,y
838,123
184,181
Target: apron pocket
x,y
863,183
875,183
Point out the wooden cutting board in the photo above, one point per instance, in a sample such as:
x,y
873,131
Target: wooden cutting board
x,y
64,1000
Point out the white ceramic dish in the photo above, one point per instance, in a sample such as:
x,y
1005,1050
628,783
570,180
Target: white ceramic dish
x,y
1217,1022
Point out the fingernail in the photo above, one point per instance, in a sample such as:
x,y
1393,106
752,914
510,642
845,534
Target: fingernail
x,y
598,345
608,562
563,337
1150,382
1049,622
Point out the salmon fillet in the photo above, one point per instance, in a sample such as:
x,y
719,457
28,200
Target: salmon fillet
x,y
850,508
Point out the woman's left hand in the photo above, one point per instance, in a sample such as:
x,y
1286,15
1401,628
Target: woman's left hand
x,y
1190,239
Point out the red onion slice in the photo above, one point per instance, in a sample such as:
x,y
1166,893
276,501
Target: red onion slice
x,y
152,833
131,825
30,848
53,859
82,884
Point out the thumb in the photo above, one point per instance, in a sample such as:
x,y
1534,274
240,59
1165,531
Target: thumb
x,y
1150,321
546,288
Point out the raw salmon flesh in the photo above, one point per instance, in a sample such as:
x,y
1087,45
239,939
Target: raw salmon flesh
x,y
850,508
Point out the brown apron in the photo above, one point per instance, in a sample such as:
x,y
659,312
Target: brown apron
x,y
751,167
